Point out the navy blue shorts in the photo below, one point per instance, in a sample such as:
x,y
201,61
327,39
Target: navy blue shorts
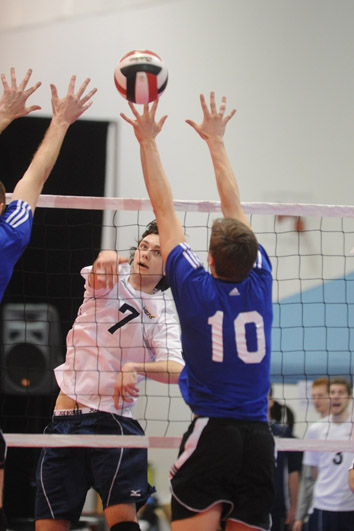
x,y
331,521
64,475
225,461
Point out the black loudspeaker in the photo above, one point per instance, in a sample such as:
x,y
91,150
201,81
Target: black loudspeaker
x,y
31,347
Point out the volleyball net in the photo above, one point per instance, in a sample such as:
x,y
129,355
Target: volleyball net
x,y
310,247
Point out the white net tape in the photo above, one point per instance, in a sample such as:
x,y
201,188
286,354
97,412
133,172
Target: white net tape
x,y
129,441
115,203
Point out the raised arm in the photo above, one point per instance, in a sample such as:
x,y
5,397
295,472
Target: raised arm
x,y
65,112
212,130
14,99
105,270
146,130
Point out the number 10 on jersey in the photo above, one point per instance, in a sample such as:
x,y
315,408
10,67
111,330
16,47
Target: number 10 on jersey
x,y
243,318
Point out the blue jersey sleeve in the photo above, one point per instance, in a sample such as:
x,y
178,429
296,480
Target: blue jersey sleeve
x,y
181,266
15,233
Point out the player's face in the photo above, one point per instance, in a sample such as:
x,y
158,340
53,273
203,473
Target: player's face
x,y
339,398
147,259
321,398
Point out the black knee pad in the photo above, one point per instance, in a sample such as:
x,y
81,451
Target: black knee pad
x,y
2,450
126,526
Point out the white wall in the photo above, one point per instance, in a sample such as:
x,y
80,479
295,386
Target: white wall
x,y
287,66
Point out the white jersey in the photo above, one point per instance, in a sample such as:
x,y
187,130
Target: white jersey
x,y
114,327
331,491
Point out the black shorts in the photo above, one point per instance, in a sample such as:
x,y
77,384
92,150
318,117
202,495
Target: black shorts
x,y
64,475
225,461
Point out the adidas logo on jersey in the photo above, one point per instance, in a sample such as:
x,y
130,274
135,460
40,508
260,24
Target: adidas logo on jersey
x,y
234,291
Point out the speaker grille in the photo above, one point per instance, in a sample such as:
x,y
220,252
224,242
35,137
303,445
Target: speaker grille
x,y
32,346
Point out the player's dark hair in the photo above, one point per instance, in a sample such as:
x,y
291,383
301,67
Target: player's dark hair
x,y
234,247
340,380
2,195
151,228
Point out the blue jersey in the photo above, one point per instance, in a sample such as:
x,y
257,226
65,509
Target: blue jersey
x,y
15,232
226,336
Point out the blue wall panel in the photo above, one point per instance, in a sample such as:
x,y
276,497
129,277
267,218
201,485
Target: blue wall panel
x,y
313,333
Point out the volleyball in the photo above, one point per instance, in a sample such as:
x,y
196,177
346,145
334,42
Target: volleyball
x,y
141,76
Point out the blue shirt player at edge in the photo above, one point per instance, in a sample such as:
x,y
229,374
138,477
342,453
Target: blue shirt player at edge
x,y
225,467
16,220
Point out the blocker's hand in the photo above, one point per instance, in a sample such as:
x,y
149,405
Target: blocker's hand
x,y
13,103
214,122
145,126
68,109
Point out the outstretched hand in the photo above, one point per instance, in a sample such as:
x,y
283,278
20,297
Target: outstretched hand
x,y
214,122
14,98
68,109
145,126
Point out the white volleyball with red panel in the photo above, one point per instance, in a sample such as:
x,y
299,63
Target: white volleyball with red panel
x,y
141,76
